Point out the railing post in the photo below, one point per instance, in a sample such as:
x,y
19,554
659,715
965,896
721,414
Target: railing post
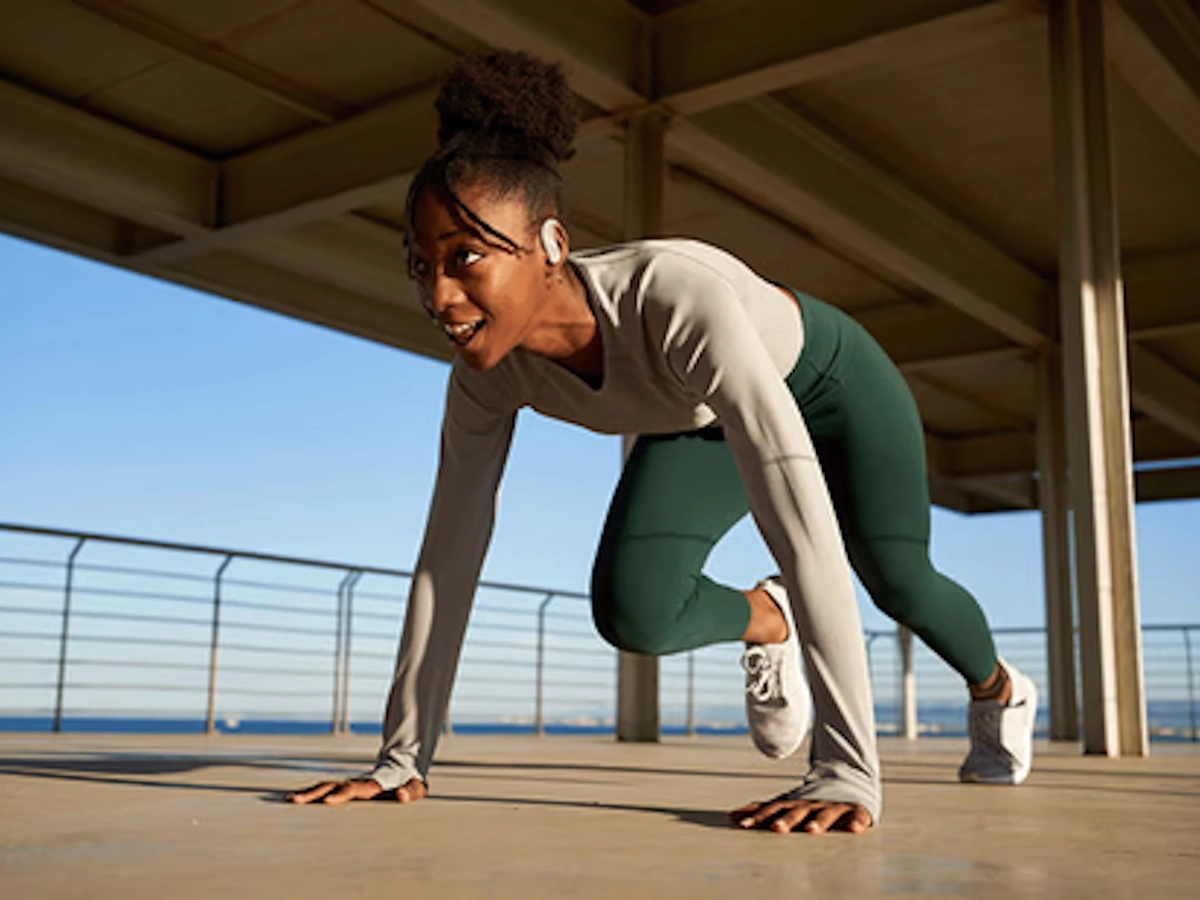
x,y
337,653
691,694
347,635
64,636
1191,682
539,723
869,639
908,684
210,718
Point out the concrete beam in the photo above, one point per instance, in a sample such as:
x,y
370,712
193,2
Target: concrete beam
x,y
947,386
945,493
353,261
1003,453
602,43
780,45
349,252
1155,46
42,217
1014,492
269,287
791,167
1013,452
48,145
975,495
931,335
1160,390
1161,295
262,81
367,159
1168,484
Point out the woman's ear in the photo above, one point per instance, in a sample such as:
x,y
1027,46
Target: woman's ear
x,y
555,242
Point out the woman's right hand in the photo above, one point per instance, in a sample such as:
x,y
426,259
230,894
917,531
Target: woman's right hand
x,y
335,793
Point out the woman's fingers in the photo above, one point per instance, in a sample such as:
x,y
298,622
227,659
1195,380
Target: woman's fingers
x,y
811,816
745,812
413,789
335,793
859,820
356,789
316,792
764,812
824,818
792,817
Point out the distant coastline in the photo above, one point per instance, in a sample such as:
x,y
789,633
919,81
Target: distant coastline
x,y
1170,721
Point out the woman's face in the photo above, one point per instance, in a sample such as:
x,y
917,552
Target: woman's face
x,y
482,293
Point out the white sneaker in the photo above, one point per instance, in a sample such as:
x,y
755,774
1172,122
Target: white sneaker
x,y
1002,735
778,706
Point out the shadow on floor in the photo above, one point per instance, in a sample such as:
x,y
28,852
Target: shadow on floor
x,y
702,817
132,768
600,767
135,782
119,763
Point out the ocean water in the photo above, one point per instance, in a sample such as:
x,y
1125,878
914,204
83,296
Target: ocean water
x,y
1168,721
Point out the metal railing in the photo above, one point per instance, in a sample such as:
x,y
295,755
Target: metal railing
x,y
217,639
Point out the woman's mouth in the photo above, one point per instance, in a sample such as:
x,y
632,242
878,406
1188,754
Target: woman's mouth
x,y
462,332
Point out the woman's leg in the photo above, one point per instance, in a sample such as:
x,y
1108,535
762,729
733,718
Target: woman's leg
x,y
678,495
868,436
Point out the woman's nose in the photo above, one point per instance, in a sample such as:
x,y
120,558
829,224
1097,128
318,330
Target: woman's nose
x,y
438,295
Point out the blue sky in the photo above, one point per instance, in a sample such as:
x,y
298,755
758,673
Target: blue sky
x,y
129,406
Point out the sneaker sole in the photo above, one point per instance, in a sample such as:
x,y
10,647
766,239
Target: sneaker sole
x,y
1009,779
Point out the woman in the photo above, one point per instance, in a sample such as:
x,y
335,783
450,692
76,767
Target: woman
x,y
749,397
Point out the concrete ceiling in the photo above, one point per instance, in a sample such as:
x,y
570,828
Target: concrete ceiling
x,y
892,158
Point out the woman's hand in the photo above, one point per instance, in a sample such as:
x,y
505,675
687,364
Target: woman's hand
x,y
811,816
335,793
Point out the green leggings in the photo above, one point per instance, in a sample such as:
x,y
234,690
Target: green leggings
x,y
680,493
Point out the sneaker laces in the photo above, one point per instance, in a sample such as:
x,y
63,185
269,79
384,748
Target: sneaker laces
x,y
762,678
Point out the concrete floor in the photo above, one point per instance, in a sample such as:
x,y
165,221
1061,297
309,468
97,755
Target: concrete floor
x,y
183,817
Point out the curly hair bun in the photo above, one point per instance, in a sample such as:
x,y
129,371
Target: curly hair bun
x,y
508,91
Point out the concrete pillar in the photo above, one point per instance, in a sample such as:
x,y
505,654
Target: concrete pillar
x,y
1056,546
1096,377
908,685
645,178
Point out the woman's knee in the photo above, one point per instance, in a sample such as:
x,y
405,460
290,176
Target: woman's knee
x,y
636,634
636,611
901,580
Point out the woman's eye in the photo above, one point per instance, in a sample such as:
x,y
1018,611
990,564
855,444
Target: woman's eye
x,y
465,256
417,268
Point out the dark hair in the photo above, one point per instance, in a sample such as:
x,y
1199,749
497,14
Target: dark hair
x,y
505,119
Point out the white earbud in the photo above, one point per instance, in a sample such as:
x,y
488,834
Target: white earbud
x,y
550,242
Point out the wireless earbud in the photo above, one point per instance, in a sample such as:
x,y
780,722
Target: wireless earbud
x,y
550,242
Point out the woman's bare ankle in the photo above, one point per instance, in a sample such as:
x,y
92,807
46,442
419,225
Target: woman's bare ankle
x,y
998,687
767,624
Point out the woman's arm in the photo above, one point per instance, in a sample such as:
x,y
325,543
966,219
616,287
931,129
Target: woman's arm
x,y
474,447
711,346
475,443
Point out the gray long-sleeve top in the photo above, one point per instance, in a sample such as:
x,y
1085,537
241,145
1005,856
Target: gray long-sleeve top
x,y
691,337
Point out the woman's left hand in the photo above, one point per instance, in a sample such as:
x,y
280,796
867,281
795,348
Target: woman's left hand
x,y
810,816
